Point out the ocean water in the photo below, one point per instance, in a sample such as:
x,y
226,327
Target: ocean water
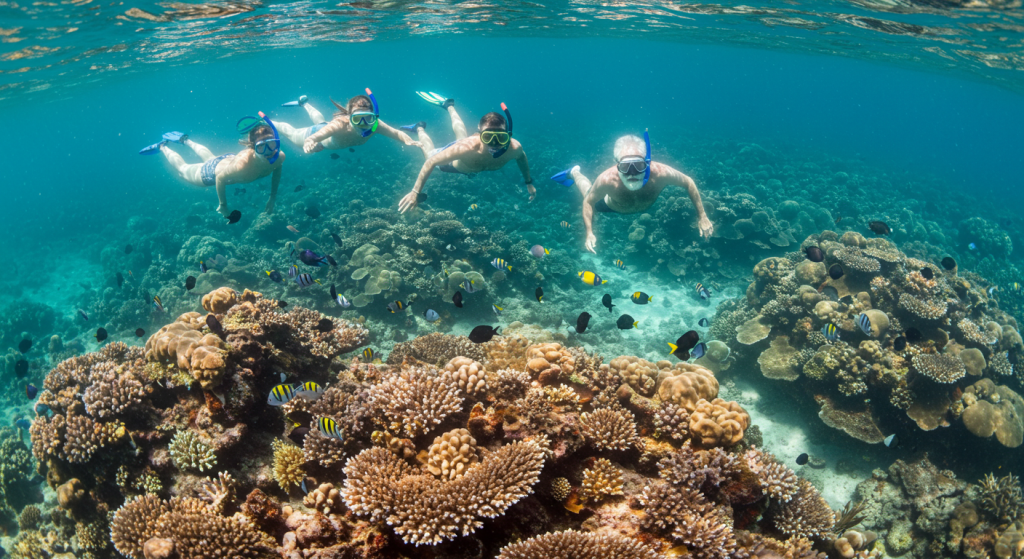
x,y
825,115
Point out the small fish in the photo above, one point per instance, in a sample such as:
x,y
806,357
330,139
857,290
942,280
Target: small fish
x,y
293,229
686,342
120,279
337,239
293,271
421,197
864,323
539,252
310,258
625,322
539,294
302,486
457,299
202,267
972,246
948,263
215,326
927,273
239,190
830,332
431,315
128,249
913,334
469,286
101,334
620,264
31,391
802,459
83,315
835,271
298,435
830,293
309,391
313,212
368,354
607,301
25,345
704,323
814,254
445,270
234,216
992,291
41,409
139,332
282,304
483,333
274,276
1015,286
500,263
641,298
131,275
497,310
590,278
899,344
473,207
699,350
340,299
325,325
20,368
281,395
565,225
395,306
582,321
301,186
880,227
891,441
704,292
450,247
305,280
838,218
190,283
336,156
328,426
158,304
23,424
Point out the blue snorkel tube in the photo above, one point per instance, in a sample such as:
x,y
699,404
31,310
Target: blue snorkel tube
x,y
277,140
247,123
647,156
376,114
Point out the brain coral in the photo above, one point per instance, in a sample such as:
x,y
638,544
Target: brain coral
x,y
994,410
718,423
689,386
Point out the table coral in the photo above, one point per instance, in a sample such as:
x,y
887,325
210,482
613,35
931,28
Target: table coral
x,y
436,349
577,545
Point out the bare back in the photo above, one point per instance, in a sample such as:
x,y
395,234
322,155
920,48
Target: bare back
x,y
246,167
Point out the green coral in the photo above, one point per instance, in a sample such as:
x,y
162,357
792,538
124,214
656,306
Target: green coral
x,y
190,452
900,538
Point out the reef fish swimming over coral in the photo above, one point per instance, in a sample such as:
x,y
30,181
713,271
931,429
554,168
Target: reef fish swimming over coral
x,y
704,292
704,323
626,322
686,342
590,278
607,301
539,294
281,395
469,286
25,345
880,227
310,258
339,299
864,323
158,304
274,276
395,306
457,299
101,335
500,263
814,254
329,427
641,298
835,271
305,280
139,332
234,216
309,391
582,321
82,314
431,315
483,333
190,283
830,332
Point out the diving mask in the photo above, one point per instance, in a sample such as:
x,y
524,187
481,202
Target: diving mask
x,y
495,137
267,147
632,165
363,119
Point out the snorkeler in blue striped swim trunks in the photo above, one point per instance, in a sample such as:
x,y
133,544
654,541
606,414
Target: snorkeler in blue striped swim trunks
x,y
353,125
489,150
262,156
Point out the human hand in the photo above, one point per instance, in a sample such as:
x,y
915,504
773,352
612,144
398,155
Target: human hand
x,y
223,210
706,229
531,190
408,202
591,242
312,146
413,143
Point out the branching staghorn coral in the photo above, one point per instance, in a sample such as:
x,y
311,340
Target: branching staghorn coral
x,y
806,515
777,481
288,460
703,470
414,401
1002,496
609,429
190,452
602,479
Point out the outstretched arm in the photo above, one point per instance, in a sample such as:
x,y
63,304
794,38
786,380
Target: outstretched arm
x,y
524,168
275,181
313,145
592,195
683,180
443,157
395,134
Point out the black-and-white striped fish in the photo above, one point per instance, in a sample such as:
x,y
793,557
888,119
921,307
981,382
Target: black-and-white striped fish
x,y
305,280
309,391
395,306
704,292
281,395
830,332
864,323
329,427
340,299
469,286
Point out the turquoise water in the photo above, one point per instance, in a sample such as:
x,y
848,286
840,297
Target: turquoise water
x,y
826,115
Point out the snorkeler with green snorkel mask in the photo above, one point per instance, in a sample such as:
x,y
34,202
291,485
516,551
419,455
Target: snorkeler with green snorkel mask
x,y
632,185
353,124
489,150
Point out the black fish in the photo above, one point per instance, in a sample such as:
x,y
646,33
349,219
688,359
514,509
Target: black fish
x,y
190,282
336,156
899,344
215,326
139,332
948,263
927,273
234,216
686,342
913,334
835,272
350,150
539,294
298,434
313,212
582,321
21,368
282,304
325,325
337,239
607,301
483,333
421,197
880,227
301,185
239,190
128,249
625,322
301,418
830,293
703,323
802,459
25,345
814,254
120,279
101,334
331,260
457,299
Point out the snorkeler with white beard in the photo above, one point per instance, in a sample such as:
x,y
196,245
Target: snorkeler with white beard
x,y
353,125
631,186
489,150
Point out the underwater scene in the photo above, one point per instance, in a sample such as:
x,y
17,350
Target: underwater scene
x,y
464,279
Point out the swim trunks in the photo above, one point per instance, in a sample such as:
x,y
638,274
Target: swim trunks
x,y
209,170
449,167
314,129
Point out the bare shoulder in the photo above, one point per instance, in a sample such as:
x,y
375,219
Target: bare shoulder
x,y
608,176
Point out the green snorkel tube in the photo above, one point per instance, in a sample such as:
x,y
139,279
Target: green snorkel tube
x,y
247,123
647,156
376,114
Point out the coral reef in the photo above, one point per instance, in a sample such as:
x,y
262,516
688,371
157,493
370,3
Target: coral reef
x,y
577,545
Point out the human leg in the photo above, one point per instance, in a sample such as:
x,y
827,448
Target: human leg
x,y
457,125
202,151
189,172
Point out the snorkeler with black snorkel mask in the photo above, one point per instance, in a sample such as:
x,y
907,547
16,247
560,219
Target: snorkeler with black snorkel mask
x,y
490,149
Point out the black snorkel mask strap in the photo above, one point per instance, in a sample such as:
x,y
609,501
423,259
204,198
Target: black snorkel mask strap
x,y
508,118
376,114
647,156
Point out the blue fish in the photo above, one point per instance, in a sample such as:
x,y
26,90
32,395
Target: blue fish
x,y
293,271
202,267
275,276
699,350
972,246
311,258
31,391
830,332
864,323
23,424
431,315
41,409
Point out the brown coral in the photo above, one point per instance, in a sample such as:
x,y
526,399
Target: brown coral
x,y
926,309
414,401
994,410
609,429
467,374
806,515
718,423
325,499
640,374
689,386
577,545
777,481
134,523
940,367
181,343
601,479
548,362
435,349
452,454
220,300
